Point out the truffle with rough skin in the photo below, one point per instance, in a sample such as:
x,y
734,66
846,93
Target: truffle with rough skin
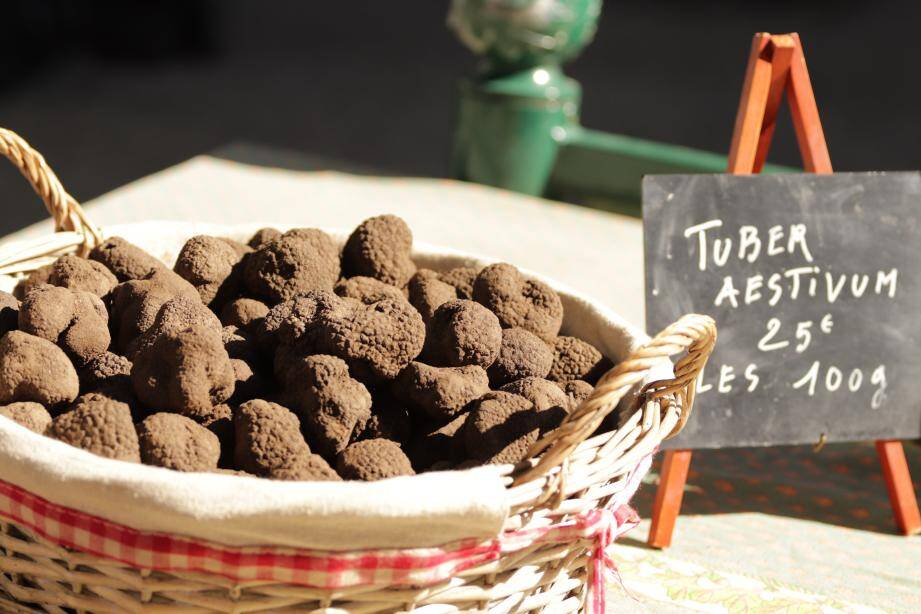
x,y
574,358
440,393
136,303
174,315
434,443
380,247
518,301
373,459
288,321
376,340
186,371
36,278
109,374
99,425
332,406
125,260
577,390
176,442
263,236
462,279
427,294
35,369
548,399
463,333
77,273
368,290
268,439
501,428
9,312
29,414
300,260
311,468
522,354
210,264
75,320
245,313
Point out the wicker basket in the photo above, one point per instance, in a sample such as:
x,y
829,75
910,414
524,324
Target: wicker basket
x,y
567,502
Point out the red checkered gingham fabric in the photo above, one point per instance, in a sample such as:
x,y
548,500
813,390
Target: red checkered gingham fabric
x,y
319,569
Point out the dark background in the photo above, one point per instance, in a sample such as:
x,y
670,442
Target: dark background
x,y
112,91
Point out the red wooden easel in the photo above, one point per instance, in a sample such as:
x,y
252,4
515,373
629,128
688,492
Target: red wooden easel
x,y
777,65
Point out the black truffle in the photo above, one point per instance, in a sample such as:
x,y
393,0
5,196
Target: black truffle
x,y
518,301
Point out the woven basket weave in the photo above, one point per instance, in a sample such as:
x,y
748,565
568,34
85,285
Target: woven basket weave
x,y
571,473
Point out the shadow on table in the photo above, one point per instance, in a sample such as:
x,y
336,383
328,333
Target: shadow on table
x,y
842,484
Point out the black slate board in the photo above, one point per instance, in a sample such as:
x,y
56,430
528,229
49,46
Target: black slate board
x,y
867,384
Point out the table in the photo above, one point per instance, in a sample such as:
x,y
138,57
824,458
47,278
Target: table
x,y
776,527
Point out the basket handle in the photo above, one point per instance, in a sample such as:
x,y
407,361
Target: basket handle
x,y
63,208
694,333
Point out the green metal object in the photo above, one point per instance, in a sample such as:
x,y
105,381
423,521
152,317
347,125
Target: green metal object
x,y
515,110
518,125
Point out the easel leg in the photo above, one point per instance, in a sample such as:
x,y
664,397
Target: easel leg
x,y
668,497
898,483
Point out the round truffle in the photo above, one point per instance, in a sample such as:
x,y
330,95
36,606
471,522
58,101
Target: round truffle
x,y
332,406
31,415
380,247
299,261
522,354
441,393
34,369
427,294
462,279
77,321
368,290
9,312
263,236
463,333
574,358
109,374
245,313
186,371
373,459
77,273
36,278
136,303
126,260
176,442
99,425
268,439
174,315
210,264
381,338
501,428
548,399
288,321
518,301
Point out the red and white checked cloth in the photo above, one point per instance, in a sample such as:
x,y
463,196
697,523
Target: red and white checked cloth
x,y
318,569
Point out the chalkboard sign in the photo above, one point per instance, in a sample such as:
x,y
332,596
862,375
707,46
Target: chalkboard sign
x,y
815,285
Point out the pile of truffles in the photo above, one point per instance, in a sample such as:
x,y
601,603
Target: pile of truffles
x,y
288,358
